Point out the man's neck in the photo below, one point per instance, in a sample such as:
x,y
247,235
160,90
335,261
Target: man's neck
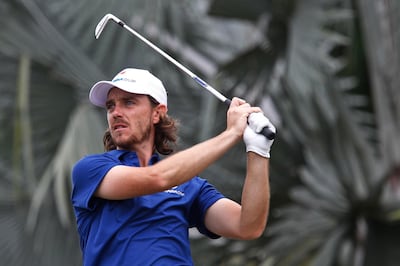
x,y
144,153
144,157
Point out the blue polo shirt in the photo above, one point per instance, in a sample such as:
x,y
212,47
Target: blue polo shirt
x,y
145,230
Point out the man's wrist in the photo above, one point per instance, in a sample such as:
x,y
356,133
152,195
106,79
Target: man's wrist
x,y
261,153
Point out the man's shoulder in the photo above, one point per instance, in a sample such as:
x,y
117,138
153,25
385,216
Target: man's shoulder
x,y
96,158
93,164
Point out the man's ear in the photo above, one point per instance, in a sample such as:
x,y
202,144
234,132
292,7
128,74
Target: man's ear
x,y
159,111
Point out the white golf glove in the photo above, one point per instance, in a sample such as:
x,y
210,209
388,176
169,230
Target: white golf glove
x,y
255,142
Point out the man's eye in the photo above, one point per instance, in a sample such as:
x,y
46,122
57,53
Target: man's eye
x,y
109,106
129,102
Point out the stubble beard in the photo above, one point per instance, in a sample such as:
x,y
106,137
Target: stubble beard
x,y
133,139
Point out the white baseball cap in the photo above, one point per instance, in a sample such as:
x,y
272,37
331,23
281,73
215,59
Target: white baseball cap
x,y
131,80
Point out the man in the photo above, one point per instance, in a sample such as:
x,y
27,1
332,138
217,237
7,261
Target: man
x,y
133,208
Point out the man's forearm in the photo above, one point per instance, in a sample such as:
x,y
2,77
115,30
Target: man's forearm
x,y
182,166
255,196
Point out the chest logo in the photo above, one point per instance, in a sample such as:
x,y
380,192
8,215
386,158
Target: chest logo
x,y
174,190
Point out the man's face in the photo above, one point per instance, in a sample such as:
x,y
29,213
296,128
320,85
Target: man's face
x,y
130,119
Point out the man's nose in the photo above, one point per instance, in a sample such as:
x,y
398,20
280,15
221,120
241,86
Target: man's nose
x,y
116,111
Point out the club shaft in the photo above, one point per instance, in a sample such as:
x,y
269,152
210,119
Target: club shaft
x,y
176,63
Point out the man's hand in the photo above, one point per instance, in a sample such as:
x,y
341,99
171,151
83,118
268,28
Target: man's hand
x,y
238,114
256,142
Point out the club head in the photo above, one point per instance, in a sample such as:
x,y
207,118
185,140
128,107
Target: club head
x,y
103,22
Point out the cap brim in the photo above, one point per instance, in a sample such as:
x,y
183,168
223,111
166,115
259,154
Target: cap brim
x,y
99,92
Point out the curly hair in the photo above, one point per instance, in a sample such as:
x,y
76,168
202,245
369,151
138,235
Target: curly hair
x,y
165,134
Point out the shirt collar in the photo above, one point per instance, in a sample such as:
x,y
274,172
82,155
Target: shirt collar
x,y
131,158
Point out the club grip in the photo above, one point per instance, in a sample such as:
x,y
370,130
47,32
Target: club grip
x,y
268,133
265,131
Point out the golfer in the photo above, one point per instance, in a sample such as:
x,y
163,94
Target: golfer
x,y
132,208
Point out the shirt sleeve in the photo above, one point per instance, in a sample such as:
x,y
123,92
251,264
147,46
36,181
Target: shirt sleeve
x,y
87,175
207,196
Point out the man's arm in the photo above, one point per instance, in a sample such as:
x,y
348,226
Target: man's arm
x,y
123,182
248,220
227,218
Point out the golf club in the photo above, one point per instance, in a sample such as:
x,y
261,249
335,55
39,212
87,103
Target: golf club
x,y
103,22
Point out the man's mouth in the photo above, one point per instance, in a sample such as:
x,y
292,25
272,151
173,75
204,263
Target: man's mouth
x,y
118,127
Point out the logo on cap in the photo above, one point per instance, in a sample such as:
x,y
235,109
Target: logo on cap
x,y
123,79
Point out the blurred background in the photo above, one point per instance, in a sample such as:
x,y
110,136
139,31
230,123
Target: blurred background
x,y
326,72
